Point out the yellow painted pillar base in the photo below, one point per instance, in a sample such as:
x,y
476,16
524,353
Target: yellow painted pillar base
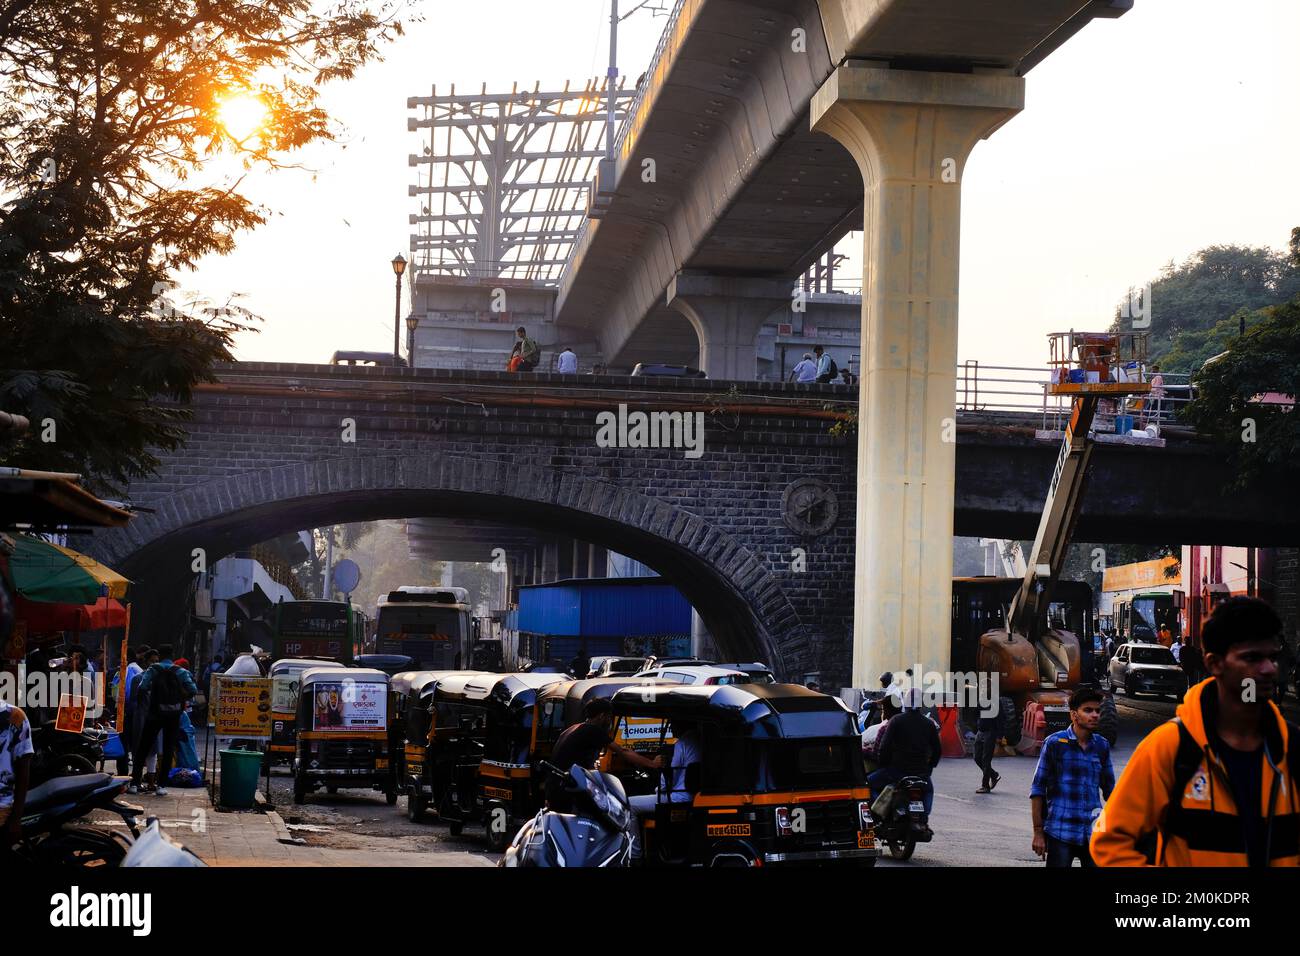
x,y
910,133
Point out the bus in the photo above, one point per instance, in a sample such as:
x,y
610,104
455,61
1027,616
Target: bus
x,y
1141,616
333,629
429,625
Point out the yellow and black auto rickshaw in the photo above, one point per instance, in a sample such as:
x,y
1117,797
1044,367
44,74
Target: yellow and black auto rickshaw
x,y
479,757
285,675
760,774
342,732
415,731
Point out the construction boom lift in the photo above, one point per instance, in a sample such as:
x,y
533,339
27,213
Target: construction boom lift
x,y
1034,660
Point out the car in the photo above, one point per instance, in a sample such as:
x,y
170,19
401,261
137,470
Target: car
x,y
760,673
1141,668
610,666
653,662
667,371
699,674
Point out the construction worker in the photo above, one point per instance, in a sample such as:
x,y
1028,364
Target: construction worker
x,y
1216,786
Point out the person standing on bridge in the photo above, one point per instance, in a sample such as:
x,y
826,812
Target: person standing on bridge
x,y
826,367
567,363
525,354
805,371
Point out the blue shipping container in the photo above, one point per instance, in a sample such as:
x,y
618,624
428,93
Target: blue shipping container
x,y
605,607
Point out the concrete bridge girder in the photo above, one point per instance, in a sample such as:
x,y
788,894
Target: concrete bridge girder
x,y
727,315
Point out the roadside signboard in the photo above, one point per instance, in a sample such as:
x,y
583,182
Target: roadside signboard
x,y
243,706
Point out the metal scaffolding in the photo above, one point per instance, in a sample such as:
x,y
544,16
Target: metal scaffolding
x,y
505,179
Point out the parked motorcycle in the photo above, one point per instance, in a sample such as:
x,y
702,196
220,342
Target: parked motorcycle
x,y
597,833
50,834
901,820
60,753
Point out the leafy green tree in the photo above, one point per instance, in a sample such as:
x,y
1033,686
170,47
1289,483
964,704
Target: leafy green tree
x,y
112,113
1231,403
1196,305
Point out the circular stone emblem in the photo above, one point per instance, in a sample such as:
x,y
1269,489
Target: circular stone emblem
x,y
809,506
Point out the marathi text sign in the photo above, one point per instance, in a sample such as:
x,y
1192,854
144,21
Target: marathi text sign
x,y
243,706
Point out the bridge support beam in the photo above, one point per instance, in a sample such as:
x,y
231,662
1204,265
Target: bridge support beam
x,y
727,314
910,133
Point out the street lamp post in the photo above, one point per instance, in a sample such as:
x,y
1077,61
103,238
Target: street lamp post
x,y
411,322
399,266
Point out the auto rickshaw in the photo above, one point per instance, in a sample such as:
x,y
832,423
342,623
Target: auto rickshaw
x,y
560,706
285,675
342,732
479,757
414,730
779,778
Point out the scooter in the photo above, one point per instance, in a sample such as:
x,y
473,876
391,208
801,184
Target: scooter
x,y
901,820
598,833
49,835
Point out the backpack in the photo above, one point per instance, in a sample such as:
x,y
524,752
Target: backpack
x,y
167,695
528,351
832,369
1187,761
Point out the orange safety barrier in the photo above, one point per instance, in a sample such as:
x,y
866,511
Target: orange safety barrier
x,y
950,742
1032,730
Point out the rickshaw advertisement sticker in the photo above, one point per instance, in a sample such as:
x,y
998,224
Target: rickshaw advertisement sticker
x,y
245,707
284,693
72,714
356,706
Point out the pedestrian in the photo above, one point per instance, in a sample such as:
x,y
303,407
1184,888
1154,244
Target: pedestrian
x,y
987,732
1073,768
1215,786
805,371
15,772
826,367
214,667
1177,649
164,688
890,706
525,354
846,377
813,685
134,669
567,363
1152,406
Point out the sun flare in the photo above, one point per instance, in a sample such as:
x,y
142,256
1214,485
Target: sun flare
x,y
242,115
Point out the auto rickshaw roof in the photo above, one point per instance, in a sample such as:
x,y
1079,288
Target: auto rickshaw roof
x,y
576,693
745,704
503,688
333,673
299,664
411,683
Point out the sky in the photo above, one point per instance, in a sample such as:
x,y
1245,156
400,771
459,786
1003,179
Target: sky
x,y
1142,140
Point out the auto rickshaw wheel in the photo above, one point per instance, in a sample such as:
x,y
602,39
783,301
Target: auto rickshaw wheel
x,y
390,796
455,827
902,849
299,788
415,806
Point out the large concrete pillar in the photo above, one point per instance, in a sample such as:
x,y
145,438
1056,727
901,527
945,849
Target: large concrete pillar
x,y
910,133
727,314
596,559
550,561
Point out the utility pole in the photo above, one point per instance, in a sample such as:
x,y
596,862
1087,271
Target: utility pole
x,y
611,78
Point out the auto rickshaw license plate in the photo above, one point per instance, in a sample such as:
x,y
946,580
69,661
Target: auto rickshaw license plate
x,y
866,840
728,829
916,806
498,793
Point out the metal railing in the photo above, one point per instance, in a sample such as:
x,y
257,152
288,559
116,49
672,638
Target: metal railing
x,y
1023,390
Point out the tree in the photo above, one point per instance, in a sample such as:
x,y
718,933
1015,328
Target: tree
x,y
111,116
1195,305
1236,396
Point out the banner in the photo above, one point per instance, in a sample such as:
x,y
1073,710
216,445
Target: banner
x,y
350,706
245,706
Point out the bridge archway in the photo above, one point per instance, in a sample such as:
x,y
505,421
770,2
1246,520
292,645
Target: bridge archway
x,y
741,603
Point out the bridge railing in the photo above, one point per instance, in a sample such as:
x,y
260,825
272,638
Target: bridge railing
x,y
1023,390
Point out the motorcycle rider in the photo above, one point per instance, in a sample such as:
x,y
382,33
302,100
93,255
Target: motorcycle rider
x,y
910,748
582,744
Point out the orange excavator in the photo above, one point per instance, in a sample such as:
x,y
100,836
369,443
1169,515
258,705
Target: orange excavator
x,y
1033,657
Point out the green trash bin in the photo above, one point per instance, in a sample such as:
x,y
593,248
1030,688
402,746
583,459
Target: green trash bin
x,y
239,772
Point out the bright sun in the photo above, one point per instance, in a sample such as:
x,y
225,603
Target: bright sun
x,y
242,115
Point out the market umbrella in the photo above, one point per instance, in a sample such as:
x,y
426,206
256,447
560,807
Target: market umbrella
x,y
48,616
47,572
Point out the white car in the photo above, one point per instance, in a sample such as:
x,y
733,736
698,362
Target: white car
x,y
699,674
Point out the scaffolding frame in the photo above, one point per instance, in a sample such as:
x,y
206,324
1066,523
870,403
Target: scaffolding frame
x,y
505,180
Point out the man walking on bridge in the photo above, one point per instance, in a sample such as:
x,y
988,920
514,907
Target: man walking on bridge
x,y
524,356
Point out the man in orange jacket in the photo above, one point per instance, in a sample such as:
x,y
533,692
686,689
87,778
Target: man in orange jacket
x,y
1216,786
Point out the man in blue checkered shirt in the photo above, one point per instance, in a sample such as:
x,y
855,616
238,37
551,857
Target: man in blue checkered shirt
x,y
1073,769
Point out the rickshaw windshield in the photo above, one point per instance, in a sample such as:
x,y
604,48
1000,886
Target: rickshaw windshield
x,y
743,764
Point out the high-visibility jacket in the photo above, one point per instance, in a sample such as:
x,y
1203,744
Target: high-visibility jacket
x,y
1207,831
